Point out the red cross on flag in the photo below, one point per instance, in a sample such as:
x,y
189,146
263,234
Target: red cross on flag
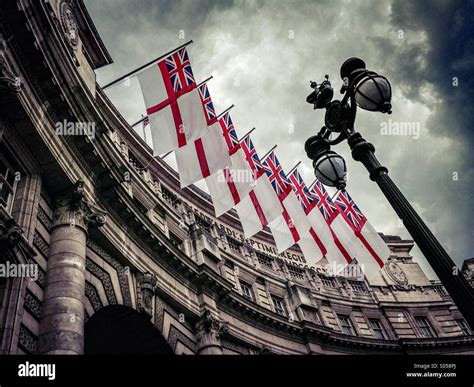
x,y
173,104
342,234
261,205
310,242
294,222
206,155
309,202
377,251
230,185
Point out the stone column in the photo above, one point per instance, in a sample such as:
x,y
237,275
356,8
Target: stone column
x,y
209,330
145,291
62,319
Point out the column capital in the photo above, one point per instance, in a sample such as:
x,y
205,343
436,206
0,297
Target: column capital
x,y
74,210
209,330
145,290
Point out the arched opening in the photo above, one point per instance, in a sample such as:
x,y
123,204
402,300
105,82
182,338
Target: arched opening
x,y
118,329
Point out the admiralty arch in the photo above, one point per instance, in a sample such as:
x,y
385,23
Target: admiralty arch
x,y
130,263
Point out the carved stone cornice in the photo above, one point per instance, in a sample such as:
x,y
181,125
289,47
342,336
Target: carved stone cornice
x,y
8,80
73,210
145,291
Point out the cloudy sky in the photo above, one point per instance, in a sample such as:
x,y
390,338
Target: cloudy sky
x,y
262,55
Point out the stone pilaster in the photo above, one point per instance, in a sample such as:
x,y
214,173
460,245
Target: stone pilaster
x,y
146,288
62,320
208,332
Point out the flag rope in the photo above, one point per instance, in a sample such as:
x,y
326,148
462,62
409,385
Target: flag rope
x,y
148,164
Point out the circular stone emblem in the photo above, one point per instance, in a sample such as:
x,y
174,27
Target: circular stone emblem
x,y
69,24
396,274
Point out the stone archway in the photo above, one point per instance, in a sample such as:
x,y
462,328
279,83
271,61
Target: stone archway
x,y
118,329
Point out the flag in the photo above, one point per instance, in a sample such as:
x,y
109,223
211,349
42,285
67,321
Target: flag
x,y
146,122
310,243
318,223
230,185
281,185
209,153
283,230
342,233
294,221
261,205
378,251
172,102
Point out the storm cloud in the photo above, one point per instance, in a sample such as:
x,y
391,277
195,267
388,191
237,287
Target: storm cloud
x,y
262,55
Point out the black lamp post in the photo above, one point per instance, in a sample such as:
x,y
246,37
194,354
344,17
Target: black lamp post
x,y
372,92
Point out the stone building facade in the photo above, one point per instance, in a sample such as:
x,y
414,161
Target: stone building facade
x,y
121,250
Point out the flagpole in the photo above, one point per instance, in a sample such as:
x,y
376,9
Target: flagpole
x,y
266,154
139,121
292,169
145,117
133,72
144,132
225,111
148,164
208,79
333,196
246,134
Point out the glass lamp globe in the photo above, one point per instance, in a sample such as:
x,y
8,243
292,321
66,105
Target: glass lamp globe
x,y
373,92
330,169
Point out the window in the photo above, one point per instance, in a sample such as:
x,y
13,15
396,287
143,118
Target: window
x,y
424,327
246,290
234,245
8,184
377,328
264,260
358,286
346,324
279,305
296,272
464,328
329,282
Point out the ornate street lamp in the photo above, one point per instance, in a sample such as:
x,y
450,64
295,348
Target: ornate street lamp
x,y
372,92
